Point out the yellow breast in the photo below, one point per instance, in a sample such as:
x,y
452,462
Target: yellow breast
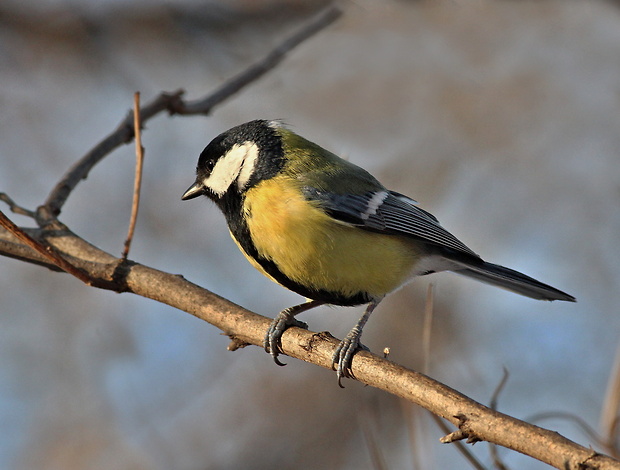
x,y
314,250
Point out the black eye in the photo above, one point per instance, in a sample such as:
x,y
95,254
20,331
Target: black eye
x,y
208,159
209,165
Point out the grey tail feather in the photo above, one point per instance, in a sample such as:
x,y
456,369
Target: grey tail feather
x,y
513,281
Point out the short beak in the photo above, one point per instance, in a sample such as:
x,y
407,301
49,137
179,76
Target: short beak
x,y
194,190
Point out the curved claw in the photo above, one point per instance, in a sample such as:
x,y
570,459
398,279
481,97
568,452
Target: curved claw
x,y
278,361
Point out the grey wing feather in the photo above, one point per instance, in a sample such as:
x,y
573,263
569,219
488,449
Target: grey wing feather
x,y
388,212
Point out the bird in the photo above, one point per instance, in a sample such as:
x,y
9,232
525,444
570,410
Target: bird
x,y
328,230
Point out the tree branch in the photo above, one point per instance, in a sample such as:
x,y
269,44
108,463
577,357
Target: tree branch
x,y
174,104
475,422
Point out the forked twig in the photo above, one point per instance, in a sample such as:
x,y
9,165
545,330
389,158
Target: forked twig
x,y
15,208
174,104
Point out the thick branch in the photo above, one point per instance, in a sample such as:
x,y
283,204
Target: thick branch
x,y
474,421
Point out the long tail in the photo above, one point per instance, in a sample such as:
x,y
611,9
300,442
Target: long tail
x,y
513,281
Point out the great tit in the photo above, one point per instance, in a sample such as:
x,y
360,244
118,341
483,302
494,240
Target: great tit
x,y
328,230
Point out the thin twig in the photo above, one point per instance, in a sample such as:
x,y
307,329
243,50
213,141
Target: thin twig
x,y
123,134
366,419
46,250
412,416
16,209
497,461
232,86
427,329
579,422
137,125
498,390
426,354
475,463
610,410
612,445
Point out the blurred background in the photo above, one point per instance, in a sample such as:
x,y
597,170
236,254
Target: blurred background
x,y
500,117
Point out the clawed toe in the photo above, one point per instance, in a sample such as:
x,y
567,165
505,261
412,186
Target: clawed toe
x,y
273,337
285,319
343,357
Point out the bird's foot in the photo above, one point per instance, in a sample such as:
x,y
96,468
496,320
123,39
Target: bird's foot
x,y
343,355
272,342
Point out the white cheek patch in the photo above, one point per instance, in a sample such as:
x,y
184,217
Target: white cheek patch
x,y
374,203
231,167
247,170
